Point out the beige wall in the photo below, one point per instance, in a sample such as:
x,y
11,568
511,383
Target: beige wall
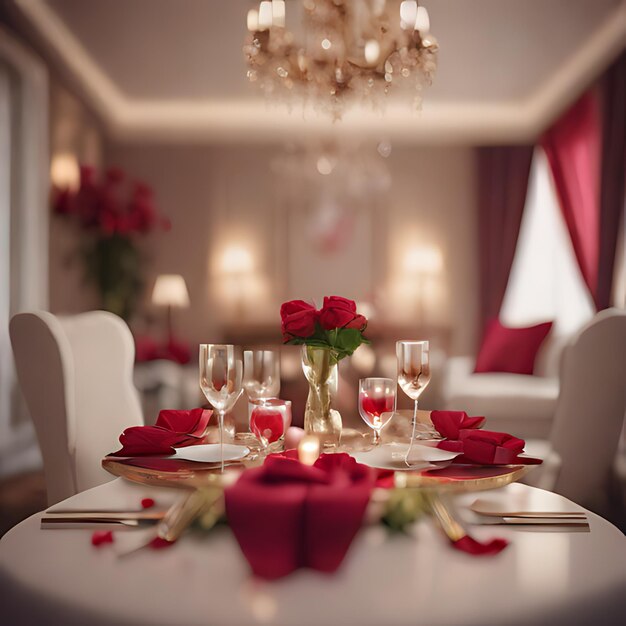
x,y
217,196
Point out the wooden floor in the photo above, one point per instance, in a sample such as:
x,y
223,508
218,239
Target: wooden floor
x,y
20,497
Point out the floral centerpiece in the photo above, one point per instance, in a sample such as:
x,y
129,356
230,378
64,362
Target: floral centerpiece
x,y
114,213
326,336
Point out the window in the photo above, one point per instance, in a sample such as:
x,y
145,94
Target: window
x,y
545,281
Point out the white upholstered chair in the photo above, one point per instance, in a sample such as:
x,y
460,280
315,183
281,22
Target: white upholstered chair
x,y
76,375
513,403
590,411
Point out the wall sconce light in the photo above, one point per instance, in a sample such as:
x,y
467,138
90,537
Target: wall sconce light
x,y
237,267
65,172
236,261
422,265
423,261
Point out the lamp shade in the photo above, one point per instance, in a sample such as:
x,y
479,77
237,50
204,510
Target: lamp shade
x,y
170,290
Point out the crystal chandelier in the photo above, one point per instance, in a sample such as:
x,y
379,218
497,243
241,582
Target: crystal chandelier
x,y
349,51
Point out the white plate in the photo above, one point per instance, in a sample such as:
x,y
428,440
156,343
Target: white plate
x,y
391,456
210,453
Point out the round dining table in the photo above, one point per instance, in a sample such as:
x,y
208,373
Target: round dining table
x,y
547,575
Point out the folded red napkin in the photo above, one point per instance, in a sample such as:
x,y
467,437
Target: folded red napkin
x,y
287,515
173,429
449,423
193,422
486,447
481,447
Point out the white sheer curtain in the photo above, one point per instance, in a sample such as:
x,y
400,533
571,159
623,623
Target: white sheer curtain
x,y
545,282
24,186
5,250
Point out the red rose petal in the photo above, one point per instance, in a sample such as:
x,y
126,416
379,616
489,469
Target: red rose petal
x,y
479,548
157,543
100,537
147,503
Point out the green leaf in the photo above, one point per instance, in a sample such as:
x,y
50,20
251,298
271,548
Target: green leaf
x,y
295,341
348,340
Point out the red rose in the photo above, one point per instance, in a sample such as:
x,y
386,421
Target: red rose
x,y
340,312
297,319
359,322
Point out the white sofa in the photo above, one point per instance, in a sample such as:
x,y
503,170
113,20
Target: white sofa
x,y
514,403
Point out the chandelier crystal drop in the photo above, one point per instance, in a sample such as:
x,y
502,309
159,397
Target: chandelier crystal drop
x,y
350,51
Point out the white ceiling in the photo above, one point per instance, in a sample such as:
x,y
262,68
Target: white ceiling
x,y
174,68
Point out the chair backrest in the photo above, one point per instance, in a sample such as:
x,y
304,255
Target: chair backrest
x,y
591,407
76,376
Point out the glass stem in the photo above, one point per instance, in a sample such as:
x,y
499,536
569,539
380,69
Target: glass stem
x,y
220,417
376,436
408,452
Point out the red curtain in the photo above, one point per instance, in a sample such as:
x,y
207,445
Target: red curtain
x,y
573,148
502,183
613,91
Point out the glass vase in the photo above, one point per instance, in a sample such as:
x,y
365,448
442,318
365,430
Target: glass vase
x,y
320,419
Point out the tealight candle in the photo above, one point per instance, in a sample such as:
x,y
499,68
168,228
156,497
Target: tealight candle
x,y
308,449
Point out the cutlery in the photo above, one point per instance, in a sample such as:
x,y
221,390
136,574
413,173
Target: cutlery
x,y
530,515
453,530
472,517
531,521
93,523
543,521
109,515
527,514
176,520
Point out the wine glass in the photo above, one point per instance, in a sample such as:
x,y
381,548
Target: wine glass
x,y
413,377
221,373
261,374
377,399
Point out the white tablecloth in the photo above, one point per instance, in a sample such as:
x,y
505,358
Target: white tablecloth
x,y
543,577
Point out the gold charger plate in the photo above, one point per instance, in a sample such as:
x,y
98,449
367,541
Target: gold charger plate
x,y
453,478
188,477
463,478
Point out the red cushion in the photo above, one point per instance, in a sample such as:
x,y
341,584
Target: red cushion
x,y
510,350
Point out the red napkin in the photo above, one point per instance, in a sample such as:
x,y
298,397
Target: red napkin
x,y
193,422
287,515
486,447
173,429
449,423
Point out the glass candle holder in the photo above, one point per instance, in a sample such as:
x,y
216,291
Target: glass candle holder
x,y
269,420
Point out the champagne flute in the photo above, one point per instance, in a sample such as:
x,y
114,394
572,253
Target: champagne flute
x,y
377,400
261,381
413,376
221,373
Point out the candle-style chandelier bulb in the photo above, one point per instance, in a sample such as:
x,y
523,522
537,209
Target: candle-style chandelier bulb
x,y
351,51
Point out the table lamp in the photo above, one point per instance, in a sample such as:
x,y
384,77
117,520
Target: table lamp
x,y
170,290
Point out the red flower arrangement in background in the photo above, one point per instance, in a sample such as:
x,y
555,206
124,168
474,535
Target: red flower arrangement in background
x,y
114,211
113,205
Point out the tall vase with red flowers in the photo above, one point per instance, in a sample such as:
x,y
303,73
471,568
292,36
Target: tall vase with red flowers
x,y
114,213
326,336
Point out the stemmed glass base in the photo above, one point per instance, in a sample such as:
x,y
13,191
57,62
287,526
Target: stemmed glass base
x,y
410,448
220,417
